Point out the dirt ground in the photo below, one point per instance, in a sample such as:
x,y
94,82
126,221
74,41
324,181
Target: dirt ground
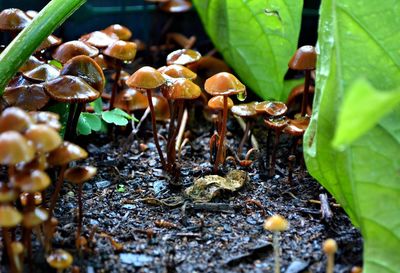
x,y
124,204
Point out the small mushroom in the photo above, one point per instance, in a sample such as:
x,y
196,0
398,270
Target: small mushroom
x,y
70,49
14,119
29,97
42,73
330,247
131,100
223,84
147,78
13,20
99,39
78,175
276,224
122,32
176,6
305,59
183,57
60,260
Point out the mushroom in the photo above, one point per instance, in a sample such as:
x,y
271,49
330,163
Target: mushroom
x,y
42,73
177,91
147,78
176,6
99,39
330,247
295,98
275,121
122,32
27,96
223,84
276,224
14,119
13,20
305,59
30,64
117,54
183,57
131,100
70,49
60,260
78,175
18,256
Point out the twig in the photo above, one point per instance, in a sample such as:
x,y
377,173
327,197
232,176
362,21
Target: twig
x,y
325,208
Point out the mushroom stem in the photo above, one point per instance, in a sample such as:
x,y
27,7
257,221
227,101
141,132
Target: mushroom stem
x,y
218,159
68,129
244,138
155,134
57,190
171,148
78,111
184,120
7,242
330,262
273,153
275,241
115,85
305,92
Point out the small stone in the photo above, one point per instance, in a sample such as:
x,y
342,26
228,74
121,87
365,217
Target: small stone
x,y
137,260
129,206
103,184
94,222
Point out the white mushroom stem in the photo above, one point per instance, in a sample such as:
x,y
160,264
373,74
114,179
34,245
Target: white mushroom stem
x,y
181,130
277,258
330,262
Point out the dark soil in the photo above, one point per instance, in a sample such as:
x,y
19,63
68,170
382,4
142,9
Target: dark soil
x,y
121,211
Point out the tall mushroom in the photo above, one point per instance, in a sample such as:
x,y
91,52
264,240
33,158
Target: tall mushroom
x,y
223,84
148,79
305,59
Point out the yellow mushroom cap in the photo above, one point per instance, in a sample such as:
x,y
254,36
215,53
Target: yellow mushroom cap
x,y
17,248
329,246
9,216
223,83
217,103
121,50
65,153
276,223
178,71
43,137
182,89
122,32
146,78
14,119
35,217
14,148
60,259
31,181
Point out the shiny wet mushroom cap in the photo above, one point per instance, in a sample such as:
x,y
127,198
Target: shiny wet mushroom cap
x,y
50,42
183,57
70,89
146,78
276,123
87,69
217,103
42,73
305,58
65,153
176,6
30,181
99,39
29,97
34,218
59,259
43,137
68,50
14,148
161,108
245,109
297,126
13,20
121,50
80,174
49,118
182,89
9,217
223,83
30,64
271,108
122,32
131,99
14,119
177,71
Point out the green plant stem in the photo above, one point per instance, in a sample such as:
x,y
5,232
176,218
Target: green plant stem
x,y
19,50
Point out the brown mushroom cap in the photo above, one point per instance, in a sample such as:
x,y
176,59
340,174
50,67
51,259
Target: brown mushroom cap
x,y
14,119
131,99
49,118
99,39
295,98
183,56
305,58
29,97
13,20
271,108
146,78
9,217
31,13
121,50
49,42
87,69
42,73
182,89
161,108
68,50
80,174
223,83
177,71
276,123
14,148
245,109
176,6
59,259
43,137
99,59
276,223
34,218
122,32
217,103
71,89
65,153
297,126
37,198
31,181
30,64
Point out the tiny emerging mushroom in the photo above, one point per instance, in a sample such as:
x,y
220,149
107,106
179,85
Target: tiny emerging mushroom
x,y
276,224
330,247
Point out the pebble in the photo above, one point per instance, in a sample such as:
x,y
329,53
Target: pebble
x,y
94,222
129,206
135,259
103,184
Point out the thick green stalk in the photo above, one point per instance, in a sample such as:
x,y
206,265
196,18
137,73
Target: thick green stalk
x,y
19,50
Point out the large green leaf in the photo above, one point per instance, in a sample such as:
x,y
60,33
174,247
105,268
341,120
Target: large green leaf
x,y
359,39
257,38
